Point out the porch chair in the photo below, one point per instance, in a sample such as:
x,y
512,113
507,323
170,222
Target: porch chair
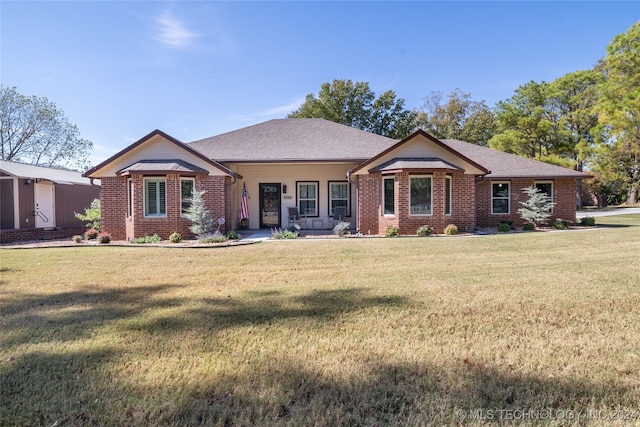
x,y
339,215
295,218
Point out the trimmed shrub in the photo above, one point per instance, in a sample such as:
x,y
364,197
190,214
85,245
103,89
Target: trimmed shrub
x,y
215,237
529,226
503,227
232,235
175,238
342,228
104,238
588,221
424,230
91,234
451,230
279,233
147,239
392,231
560,224
77,238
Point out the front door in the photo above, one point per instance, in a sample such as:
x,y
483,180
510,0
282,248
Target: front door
x,y
44,205
269,205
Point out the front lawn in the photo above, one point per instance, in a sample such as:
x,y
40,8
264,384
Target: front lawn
x,y
529,328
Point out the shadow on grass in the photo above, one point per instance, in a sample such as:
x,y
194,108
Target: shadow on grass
x,y
72,315
268,307
71,389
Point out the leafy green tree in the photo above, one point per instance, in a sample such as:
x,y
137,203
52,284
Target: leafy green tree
x,y
524,124
33,130
457,117
537,208
356,105
619,110
201,220
91,215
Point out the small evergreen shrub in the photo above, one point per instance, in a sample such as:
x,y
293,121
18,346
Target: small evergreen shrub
x,y
294,228
279,233
451,230
529,226
201,220
342,228
560,224
503,227
77,238
104,238
215,237
392,231
424,230
537,209
147,239
175,238
232,235
588,221
91,234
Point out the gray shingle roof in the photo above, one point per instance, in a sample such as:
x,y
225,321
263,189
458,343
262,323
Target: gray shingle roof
x,y
293,140
59,176
505,165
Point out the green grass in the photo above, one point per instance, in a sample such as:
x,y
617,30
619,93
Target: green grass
x,y
406,331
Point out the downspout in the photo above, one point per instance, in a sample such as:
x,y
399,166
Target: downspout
x,y
228,208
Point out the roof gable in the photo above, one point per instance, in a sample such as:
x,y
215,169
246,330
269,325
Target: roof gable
x,y
157,146
424,146
293,140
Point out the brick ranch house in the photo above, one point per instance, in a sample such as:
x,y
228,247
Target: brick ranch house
x,y
317,165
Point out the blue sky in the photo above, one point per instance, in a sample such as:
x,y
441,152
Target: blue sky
x,y
119,70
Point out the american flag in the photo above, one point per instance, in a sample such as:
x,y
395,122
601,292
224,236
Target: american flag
x,y
244,206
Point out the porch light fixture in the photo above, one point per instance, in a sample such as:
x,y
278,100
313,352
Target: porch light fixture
x,y
284,188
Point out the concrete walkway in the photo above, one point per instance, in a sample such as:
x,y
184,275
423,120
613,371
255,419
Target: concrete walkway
x,y
607,212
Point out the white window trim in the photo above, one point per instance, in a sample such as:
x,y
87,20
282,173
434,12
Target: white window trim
x,y
144,194
317,198
508,198
193,188
129,200
553,189
331,199
449,179
393,179
430,213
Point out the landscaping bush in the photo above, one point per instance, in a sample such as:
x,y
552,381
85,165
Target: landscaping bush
x,y
503,227
560,224
342,228
279,233
529,226
215,237
451,230
588,221
77,238
91,234
232,235
424,230
392,231
91,215
147,239
104,238
537,209
175,238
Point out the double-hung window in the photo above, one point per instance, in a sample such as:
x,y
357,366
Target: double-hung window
x,y
186,194
308,198
338,196
500,196
155,197
388,196
546,187
420,195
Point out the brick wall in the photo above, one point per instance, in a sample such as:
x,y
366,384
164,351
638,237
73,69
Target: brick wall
x,y
121,227
28,234
564,195
370,200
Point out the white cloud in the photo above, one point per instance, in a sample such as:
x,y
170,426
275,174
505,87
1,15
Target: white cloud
x,y
283,109
173,32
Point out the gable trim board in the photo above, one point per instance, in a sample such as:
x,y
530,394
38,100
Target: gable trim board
x,y
291,151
